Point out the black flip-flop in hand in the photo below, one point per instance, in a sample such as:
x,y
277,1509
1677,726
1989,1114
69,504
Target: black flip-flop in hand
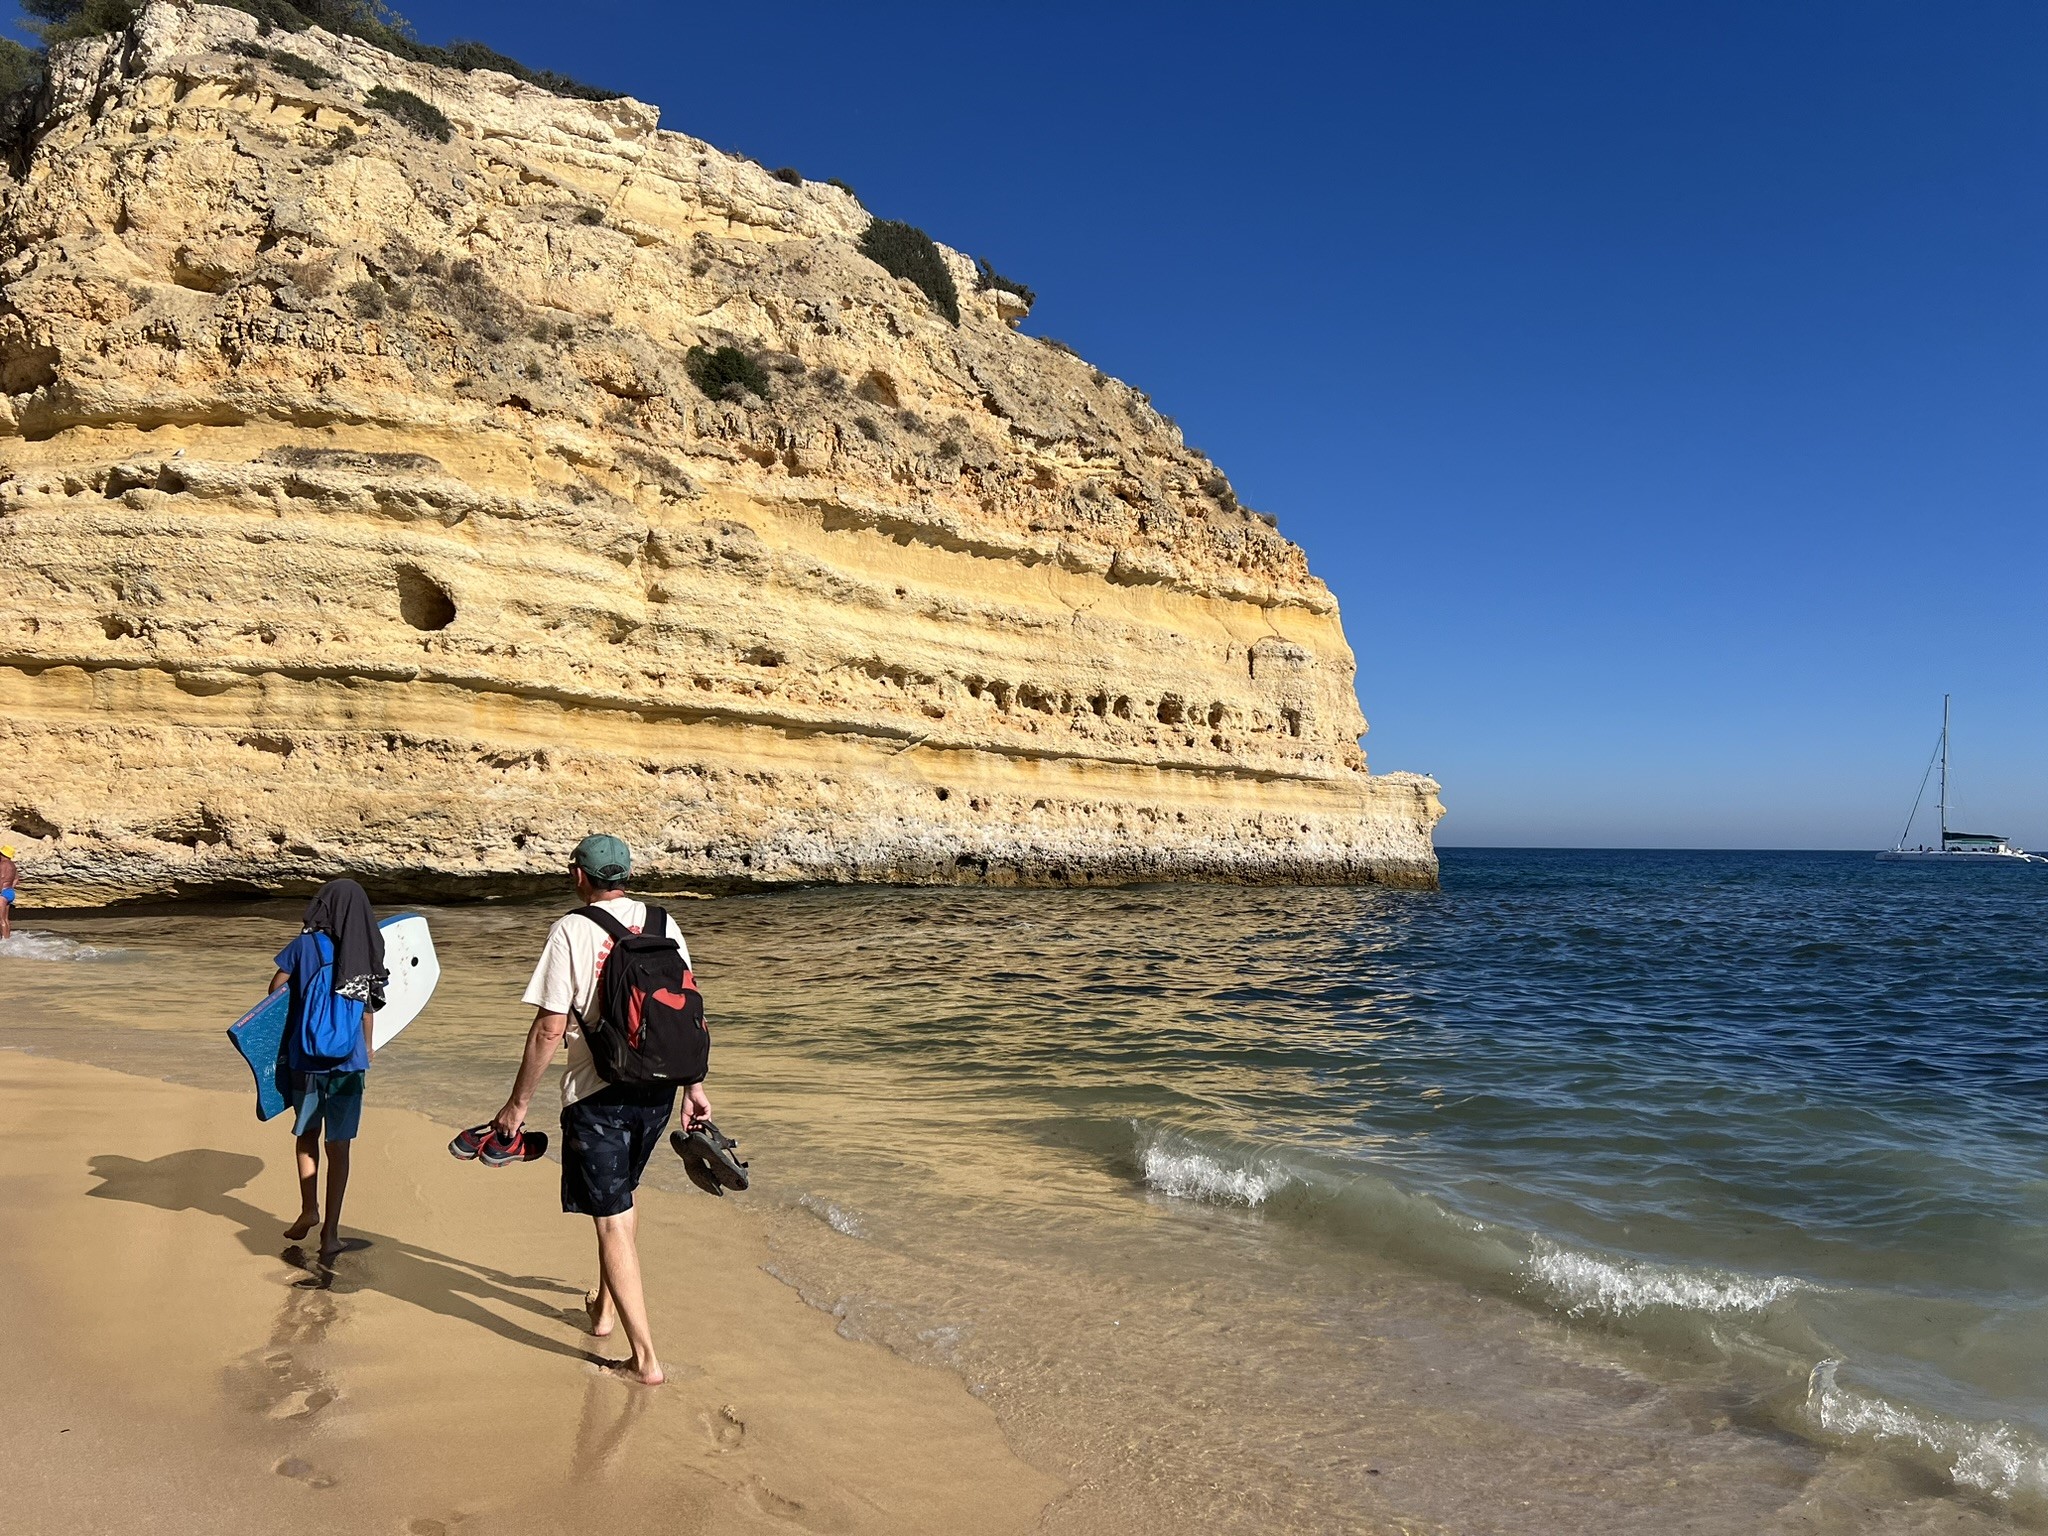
x,y
709,1158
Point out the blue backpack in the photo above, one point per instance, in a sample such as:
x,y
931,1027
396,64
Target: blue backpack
x,y
330,1027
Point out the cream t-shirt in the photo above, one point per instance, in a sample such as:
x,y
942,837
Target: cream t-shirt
x,y
565,981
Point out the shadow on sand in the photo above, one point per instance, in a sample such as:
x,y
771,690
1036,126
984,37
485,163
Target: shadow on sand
x,y
205,1180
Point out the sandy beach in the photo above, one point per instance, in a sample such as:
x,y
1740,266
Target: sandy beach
x,y
178,1366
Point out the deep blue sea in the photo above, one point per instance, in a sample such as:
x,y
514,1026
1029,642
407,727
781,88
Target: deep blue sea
x,y
1603,1170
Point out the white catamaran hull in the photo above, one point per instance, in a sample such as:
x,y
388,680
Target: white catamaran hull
x,y
1954,856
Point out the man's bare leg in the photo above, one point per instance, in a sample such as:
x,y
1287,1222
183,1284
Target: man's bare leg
x,y
6,919
337,1186
604,1315
618,1256
308,1149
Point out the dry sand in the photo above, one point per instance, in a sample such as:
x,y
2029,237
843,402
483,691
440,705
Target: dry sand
x,y
177,1366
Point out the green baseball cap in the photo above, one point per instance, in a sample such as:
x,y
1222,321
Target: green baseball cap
x,y
603,857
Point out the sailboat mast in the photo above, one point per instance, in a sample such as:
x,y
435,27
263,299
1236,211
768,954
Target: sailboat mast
x,y
1944,770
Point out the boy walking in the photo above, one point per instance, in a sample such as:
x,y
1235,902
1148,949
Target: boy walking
x,y
609,1130
335,969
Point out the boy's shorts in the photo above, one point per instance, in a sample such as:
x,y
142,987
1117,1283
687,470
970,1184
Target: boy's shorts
x,y
606,1141
330,1099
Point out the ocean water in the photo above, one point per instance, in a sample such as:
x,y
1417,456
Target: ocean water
x,y
1601,1191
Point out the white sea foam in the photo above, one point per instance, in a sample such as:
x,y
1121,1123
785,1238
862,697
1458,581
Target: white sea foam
x,y
39,944
837,1217
1187,1174
1585,1283
1990,1458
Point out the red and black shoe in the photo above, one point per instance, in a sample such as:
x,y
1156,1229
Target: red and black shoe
x,y
497,1152
483,1144
471,1143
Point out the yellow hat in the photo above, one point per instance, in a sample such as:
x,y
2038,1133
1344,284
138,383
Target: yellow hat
x,y
7,849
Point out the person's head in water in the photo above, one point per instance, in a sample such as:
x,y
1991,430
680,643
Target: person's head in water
x,y
600,865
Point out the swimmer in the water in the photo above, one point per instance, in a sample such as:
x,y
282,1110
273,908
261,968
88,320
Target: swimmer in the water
x,y
8,875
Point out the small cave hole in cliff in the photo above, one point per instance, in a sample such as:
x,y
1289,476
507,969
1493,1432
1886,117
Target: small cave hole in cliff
x,y
26,823
422,601
1171,710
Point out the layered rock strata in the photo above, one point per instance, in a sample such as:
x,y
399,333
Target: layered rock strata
x,y
358,512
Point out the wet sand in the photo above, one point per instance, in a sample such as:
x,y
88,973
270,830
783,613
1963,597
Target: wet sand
x,y
178,1366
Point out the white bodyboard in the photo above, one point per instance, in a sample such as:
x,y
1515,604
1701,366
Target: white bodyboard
x,y
415,970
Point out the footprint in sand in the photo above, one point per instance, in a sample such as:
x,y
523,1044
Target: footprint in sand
x,y
302,1404
426,1527
769,1502
726,1428
304,1472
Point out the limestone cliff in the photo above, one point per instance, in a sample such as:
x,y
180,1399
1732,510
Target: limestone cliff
x,y
358,511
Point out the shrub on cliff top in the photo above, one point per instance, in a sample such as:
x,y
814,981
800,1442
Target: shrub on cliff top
x,y
20,69
987,277
58,21
467,54
303,70
421,116
724,373
371,20
904,250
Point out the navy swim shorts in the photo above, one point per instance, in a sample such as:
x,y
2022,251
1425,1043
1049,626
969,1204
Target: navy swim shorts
x,y
328,1101
606,1141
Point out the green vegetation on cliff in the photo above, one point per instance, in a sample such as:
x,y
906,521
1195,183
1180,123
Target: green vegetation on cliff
x,y
417,113
723,373
59,21
904,250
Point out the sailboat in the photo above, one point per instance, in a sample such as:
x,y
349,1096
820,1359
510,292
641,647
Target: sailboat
x,y
1957,848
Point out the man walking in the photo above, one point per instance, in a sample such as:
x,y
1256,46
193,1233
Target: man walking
x,y
609,1130
8,875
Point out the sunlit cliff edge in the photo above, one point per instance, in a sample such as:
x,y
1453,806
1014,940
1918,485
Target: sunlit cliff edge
x,y
358,512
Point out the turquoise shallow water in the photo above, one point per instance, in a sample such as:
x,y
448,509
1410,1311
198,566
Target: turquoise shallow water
x,y
1633,1185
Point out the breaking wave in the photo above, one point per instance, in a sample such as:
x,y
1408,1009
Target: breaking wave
x,y
1728,1311
39,944
1185,1172
1996,1459
841,1220
1585,1284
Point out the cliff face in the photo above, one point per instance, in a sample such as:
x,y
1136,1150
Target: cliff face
x,y
357,511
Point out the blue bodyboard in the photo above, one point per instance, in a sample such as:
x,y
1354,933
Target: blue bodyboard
x,y
259,1036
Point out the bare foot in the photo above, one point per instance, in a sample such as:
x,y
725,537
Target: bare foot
x,y
307,1221
600,1316
648,1375
332,1245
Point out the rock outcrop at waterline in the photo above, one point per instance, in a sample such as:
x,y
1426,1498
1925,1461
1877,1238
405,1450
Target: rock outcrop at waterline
x,y
360,512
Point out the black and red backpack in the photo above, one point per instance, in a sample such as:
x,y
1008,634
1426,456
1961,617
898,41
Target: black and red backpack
x,y
649,1022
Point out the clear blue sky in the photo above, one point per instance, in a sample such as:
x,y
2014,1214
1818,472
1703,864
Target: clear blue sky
x,y
1663,388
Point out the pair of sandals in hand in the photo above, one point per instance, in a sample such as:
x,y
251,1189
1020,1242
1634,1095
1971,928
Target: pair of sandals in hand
x,y
709,1155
